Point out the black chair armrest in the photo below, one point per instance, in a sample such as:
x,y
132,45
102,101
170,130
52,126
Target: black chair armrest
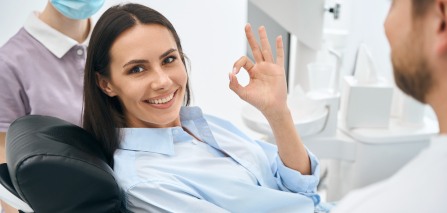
x,y
56,166
8,193
5,180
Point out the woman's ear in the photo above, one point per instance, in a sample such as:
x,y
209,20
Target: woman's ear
x,y
105,85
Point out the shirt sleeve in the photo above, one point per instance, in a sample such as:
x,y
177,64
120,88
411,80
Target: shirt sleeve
x,y
12,96
158,196
291,180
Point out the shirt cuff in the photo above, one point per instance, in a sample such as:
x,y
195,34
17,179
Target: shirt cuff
x,y
297,182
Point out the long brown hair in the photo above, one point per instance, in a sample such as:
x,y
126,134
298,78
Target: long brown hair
x,y
103,115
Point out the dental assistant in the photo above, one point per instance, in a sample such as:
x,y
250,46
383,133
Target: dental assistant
x,y
42,65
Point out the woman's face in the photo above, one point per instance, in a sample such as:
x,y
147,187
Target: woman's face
x,y
148,76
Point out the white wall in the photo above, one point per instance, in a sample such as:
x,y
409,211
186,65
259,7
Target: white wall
x,y
367,26
13,14
212,35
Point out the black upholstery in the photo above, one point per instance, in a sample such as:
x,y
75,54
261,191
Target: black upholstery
x,y
56,166
5,180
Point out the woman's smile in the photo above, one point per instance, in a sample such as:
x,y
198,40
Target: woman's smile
x,y
162,102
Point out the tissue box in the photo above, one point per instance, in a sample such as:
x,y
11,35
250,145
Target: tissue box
x,y
365,105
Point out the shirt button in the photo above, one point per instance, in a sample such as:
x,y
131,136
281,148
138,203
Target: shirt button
x,y
80,51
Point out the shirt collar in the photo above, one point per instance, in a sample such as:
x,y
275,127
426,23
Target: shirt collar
x,y
55,41
161,140
158,140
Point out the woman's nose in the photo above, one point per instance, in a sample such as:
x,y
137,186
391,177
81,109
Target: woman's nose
x,y
160,80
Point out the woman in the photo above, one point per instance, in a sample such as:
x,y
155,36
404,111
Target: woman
x,y
169,157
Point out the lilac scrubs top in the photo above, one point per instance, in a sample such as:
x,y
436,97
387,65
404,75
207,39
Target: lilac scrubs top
x,y
41,72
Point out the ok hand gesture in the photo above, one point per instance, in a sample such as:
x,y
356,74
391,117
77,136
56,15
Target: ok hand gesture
x,y
267,89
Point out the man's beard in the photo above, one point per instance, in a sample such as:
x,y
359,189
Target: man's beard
x,y
411,71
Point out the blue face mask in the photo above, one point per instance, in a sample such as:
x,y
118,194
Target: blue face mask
x,y
77,9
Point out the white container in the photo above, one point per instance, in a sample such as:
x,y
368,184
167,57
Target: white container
x,y
365,105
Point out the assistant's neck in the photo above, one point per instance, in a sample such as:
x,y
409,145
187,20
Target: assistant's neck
x,y
75,29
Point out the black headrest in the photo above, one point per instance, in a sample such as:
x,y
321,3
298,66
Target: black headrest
x,y
56,166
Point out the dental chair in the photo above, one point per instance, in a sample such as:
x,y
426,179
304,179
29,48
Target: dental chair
x,y
54,166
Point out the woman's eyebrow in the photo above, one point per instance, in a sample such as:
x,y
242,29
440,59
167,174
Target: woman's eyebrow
x,y
143,61
167,53
136,61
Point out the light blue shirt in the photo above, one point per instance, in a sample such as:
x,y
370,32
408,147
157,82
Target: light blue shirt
x,y
168,170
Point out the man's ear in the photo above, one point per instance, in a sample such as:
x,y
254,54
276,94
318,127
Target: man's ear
x,y
441,22
105,85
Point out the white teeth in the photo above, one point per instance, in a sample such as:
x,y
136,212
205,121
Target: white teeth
x,y
162,100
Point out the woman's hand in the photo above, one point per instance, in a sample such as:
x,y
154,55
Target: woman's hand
x,y
267,89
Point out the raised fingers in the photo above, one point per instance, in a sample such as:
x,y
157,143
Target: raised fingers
x,y
255,49
279,51
265,45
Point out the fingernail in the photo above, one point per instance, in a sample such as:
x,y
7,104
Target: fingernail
x,y
229,76
234,70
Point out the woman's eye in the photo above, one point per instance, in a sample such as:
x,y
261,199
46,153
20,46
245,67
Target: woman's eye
x,y
136,69
169,60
